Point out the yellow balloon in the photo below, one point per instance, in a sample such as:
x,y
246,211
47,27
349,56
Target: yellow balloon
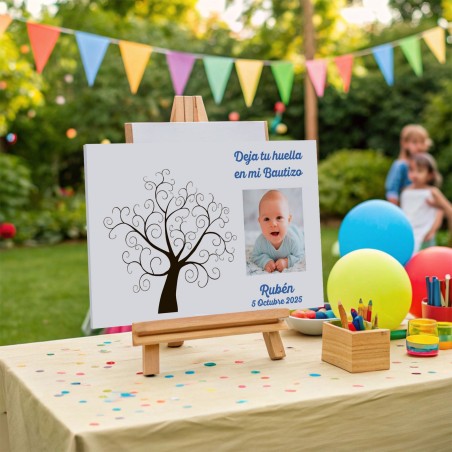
x,y
371,275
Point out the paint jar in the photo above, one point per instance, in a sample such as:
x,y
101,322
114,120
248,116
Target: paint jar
x,y
445,335
422,337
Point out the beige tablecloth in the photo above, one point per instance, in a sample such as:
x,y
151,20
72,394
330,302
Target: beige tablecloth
x,y
221,394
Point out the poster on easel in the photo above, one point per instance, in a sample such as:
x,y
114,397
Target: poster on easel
x,y
183,132
213,228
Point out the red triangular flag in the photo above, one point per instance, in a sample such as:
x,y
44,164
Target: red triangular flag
x,y
42,39
317,74
344,66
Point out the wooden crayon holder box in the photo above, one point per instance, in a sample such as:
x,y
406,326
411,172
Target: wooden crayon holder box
x,y
362,351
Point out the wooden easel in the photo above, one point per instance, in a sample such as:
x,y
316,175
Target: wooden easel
x,y
150,335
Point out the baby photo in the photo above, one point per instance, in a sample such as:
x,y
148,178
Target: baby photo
x,y
274,237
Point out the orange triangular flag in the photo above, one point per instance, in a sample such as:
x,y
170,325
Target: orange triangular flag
x,y
42,39
436,40
135,57
5,20
344,65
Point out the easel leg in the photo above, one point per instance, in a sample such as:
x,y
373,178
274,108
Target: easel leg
x,y
151,359
175,344
274,345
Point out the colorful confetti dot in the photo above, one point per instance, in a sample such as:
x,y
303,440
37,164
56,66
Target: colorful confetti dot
x,y
255,371
315,375
169,376
239,362
116,409
50,354
179,385
110,363
242,386
75,383
189,372
82,401
242,401
39,370
186,406
139,373
106,390
94,424
358,386
432,372
416,373
267,386
65,392
79,373
223,377
290,390
210,364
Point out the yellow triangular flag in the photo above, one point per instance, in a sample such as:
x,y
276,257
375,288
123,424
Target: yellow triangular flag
x,y
5,20
135,57
249,72
436,40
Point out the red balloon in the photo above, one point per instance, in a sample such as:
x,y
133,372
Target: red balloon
x,y
434,261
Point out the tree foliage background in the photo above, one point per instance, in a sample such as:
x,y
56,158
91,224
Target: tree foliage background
x,y
370,116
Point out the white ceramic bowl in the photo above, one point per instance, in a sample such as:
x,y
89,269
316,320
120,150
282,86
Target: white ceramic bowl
x,y
312,327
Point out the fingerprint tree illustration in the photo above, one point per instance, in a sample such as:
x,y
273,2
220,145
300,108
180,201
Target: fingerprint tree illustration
x,y
174,231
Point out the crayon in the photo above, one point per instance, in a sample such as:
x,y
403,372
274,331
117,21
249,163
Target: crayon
x,y
442,287
436,292
361,323
356,323
354,313
360,307
429,290
447,294
376,321
369,311
342,315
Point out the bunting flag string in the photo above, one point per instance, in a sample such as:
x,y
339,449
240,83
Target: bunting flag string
x,y
135,57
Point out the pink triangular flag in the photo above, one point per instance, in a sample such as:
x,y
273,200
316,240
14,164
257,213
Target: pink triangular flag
x,y
344,66
180,67
317,74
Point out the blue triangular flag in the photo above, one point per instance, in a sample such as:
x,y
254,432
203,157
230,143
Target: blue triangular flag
x,y
384,55
92,50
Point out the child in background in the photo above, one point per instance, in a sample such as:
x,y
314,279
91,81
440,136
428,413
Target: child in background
x,y
414,139
424,218
281,244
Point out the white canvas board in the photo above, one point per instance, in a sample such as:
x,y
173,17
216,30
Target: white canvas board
x,y
182,132
138,243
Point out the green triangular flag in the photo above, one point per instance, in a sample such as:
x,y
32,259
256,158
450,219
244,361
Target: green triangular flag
x,y
411,48
284,74
218,70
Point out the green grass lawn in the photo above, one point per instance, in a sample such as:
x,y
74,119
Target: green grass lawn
x,y
44,290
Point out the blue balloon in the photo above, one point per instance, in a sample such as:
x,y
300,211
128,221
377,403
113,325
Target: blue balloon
x,y
378,225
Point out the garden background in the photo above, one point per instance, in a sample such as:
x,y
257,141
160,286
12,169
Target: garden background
x,y
45,119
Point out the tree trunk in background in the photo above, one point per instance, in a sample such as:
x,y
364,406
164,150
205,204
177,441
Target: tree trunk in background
x,y
310,99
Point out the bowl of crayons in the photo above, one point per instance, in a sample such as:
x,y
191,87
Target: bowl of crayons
x,y
310,321
438,304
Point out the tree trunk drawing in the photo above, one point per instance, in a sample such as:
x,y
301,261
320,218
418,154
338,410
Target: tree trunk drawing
x,y
168,299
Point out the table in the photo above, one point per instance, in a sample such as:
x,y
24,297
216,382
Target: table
x,y
221,394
